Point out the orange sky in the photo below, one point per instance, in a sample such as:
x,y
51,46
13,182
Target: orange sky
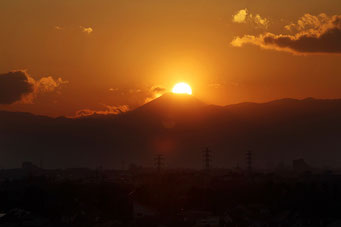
x,y
110,54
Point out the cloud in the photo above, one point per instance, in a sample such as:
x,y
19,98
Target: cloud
x,y
243,16
136,95
113,89
58,27
132,97
261,21
14,86
87,30
313,35
48,84
19,86
158,89
307,22
114,110
154,93
240,16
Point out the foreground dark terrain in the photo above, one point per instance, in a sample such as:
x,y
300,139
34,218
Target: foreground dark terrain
x,y
179,127
75,184
31,196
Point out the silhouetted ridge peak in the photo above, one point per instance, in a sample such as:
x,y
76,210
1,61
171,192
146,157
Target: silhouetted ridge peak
x,y
170,102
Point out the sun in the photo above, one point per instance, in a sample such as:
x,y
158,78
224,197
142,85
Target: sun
x,y
182,88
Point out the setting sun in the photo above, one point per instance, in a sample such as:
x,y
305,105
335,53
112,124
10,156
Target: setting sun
x,y
182,88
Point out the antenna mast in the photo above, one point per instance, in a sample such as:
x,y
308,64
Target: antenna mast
x,y
249,161
207,158
159,161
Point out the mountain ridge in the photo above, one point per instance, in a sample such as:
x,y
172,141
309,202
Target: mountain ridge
x,y
276,101
277,131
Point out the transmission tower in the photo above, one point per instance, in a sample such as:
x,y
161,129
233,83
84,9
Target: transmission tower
x,y
249,161
159,161
207,158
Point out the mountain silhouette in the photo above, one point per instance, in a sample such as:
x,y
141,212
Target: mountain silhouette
x,y
172,103
180,127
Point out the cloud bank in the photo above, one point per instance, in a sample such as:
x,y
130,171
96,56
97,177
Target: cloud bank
x,y
19,86
312,35
108,110
131,97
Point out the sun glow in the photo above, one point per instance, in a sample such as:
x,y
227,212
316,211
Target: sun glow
x,y
182,88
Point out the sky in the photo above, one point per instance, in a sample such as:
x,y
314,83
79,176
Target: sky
x,y
78,57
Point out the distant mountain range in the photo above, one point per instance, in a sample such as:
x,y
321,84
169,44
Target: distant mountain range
x,y
180,127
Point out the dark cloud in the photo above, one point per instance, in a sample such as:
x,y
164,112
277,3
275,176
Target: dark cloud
x,y
20,86
315,35
14,86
